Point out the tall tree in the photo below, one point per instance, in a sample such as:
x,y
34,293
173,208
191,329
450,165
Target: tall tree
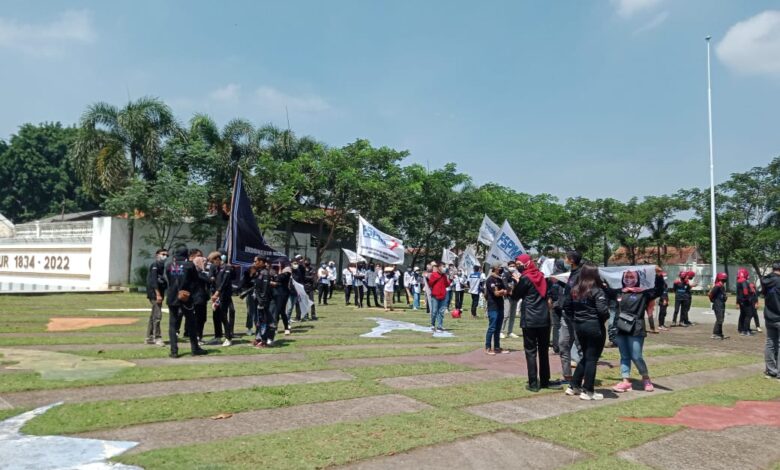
x,y
44,181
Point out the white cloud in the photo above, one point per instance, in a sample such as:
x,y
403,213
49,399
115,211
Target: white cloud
x,y
228,93
47,39
657,21
274,99
629,8
752,47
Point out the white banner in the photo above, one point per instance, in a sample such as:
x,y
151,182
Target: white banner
x,y
448,256
487,231
302,297
506,247
352,256
547,266
469,259
378,245
613,275
65,262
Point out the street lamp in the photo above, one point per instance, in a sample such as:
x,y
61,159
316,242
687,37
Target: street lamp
x,y
713,228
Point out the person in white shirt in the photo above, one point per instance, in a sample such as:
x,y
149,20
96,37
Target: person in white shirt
x,y
332,274
414,282
323,284
426,287
359,282
390,280
371,285
475,280
380,283
347,279
460,282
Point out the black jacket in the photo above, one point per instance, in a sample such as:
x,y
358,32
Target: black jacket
x,y
718,297
744,294
594,307
635,304
181,274
770,289
155,280
309,279
224,282
200,292
533,311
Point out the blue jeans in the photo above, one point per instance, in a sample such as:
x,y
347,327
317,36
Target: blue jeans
x,y
437,311
416,303
448,298
631,351
292,301
612,322
495,319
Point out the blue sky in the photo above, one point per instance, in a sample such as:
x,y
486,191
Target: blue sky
x,y
601,98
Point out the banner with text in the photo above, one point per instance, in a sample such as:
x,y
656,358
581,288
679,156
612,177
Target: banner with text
x,y
378,245
613,275
506,246
353,257
469,259
448,256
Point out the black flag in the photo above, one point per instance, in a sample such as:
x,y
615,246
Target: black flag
x,y
244,240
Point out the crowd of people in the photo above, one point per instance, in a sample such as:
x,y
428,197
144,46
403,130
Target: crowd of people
x,y
571,310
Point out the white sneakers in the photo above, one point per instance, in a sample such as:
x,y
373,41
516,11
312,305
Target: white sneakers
x,y
591,396
570,391
160,343
502,336
227,343
512,335
286,332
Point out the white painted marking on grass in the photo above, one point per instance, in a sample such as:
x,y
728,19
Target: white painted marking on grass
x,y
386,326
23,452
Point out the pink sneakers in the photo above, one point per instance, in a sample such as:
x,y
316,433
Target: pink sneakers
x,y
622,387
648,385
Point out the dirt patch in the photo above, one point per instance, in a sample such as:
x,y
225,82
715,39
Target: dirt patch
x,y
82,323
53,365
718,418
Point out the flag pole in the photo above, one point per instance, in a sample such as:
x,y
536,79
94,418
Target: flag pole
x,y
713,222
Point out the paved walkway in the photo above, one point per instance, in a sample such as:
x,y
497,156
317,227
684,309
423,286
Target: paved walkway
x,y
193,431
172,387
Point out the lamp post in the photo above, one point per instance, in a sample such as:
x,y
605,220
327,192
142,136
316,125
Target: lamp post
x,y
713,227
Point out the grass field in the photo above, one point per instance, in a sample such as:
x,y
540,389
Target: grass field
x,y
336,397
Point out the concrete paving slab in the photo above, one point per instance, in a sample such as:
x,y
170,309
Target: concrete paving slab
x,y
503,449
443,380
546,406
193,431
350,347
743,447
383,361
172,387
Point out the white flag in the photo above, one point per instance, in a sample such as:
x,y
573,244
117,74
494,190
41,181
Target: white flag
x,y
375,244
506,247
613,276
448,256
303,298
488,231
469,259
352,256
547,266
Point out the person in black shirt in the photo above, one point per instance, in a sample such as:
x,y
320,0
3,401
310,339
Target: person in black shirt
x,y
718,298
746,300
281,293
569,345
555,299
682,298
155,292
200,293
663,305
258,279
770,289
181,276
531,288
310,279
495,291
586,305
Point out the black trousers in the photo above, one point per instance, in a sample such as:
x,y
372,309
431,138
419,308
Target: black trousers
x,y
175,316
322,293
474,304
251,308
200,319
720,314
347,293
591,335
459,299
359,295
399,289
280,310
313,312
536,342
755,316
662,314
225,316
745,317
682,306
371,290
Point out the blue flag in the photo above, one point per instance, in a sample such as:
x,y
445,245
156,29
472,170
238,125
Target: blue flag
x,y
244,240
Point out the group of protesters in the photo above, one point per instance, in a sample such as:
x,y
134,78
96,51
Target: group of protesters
x,y
572,309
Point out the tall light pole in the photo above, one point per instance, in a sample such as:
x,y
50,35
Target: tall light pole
x,y
713,227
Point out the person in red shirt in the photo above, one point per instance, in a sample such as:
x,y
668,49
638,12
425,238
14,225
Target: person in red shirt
x,y
438,281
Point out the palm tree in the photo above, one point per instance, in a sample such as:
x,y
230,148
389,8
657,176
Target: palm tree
x,y
116,144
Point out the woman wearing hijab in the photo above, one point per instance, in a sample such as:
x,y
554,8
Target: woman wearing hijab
x,y
718,298
632,306
745,302
531,287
